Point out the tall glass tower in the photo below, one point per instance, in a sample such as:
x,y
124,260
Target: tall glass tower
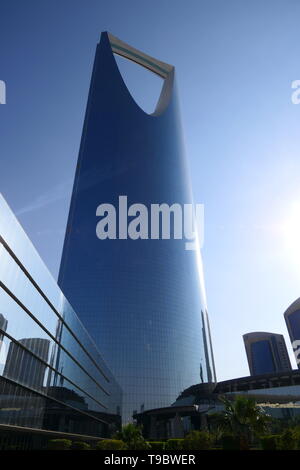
x,y
142,300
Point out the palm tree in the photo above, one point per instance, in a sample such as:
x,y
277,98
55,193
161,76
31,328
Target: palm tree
x,y
243,418
132,436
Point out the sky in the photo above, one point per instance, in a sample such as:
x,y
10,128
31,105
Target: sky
x,y
235,63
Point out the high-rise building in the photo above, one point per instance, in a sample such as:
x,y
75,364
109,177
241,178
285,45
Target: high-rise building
x,y
26,361
292,319
266,353
54,378
3,323
3,326
142,299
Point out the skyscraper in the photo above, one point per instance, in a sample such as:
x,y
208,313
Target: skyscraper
x,y
292,319
266,352
3,326
3,323
23,366
142,299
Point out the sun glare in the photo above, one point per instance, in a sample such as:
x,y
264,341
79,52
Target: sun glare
x,y
291,233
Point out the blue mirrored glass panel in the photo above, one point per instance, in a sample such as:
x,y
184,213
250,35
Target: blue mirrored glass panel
x,y
262,357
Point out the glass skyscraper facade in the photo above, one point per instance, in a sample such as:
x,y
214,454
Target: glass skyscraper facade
x,y
52,376
266,353
142,299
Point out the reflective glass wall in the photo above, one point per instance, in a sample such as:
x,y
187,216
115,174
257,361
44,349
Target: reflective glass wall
x,y
52,375
142,300
262,358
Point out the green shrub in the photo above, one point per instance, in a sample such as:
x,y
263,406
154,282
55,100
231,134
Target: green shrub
x,y
230,442
80,445
157,445
174,444
59,444
269,442
287,441
197,440
132,435
111,444
296,434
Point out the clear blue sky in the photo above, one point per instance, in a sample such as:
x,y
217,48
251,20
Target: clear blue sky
x,y
235,62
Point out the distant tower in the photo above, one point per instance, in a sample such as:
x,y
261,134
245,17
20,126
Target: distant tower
x,y
266,353
24,367
3,322
3,326
292,319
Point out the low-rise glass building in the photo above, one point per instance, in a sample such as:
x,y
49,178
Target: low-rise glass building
x,y
52,376
277,394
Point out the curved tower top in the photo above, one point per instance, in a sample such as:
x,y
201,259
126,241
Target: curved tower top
x,y
162,69
293,308
125,50
141,298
